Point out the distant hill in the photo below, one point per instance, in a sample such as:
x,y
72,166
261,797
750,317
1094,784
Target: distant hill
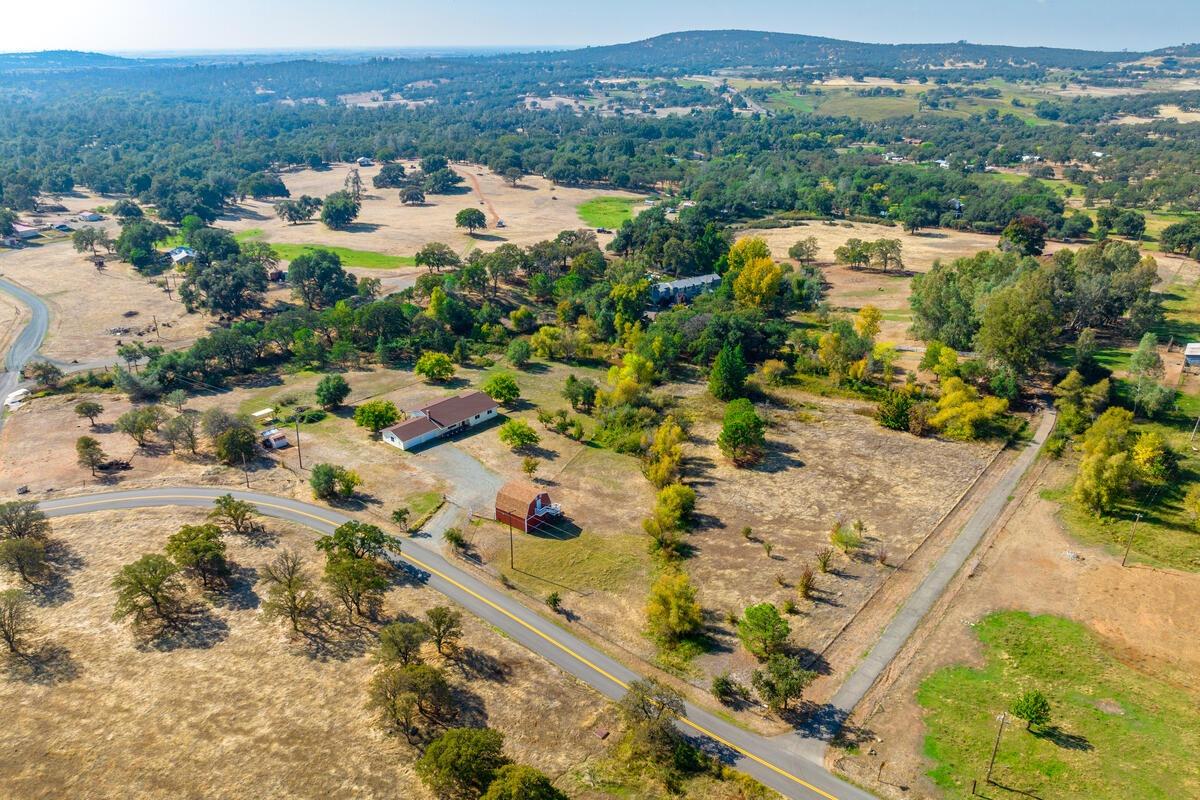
x,y
706,50
59,60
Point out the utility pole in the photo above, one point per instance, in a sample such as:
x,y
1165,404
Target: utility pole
x,y
512,557
1129,542
157,332
299,456
996,746
245,470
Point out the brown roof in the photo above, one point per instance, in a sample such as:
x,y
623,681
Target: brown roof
x,y
412,428
454,410
515,497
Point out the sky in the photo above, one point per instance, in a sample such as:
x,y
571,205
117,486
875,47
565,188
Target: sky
x,y
257,25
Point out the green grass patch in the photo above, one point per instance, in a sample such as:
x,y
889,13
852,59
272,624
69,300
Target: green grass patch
x,y
1115,733
610,562
422,506
606,212
1182,306
364,259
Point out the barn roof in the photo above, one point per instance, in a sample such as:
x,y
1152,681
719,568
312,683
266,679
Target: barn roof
x,y
515,496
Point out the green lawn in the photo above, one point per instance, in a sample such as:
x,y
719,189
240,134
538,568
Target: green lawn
x,y
1116,732
606,212
366,259
610,562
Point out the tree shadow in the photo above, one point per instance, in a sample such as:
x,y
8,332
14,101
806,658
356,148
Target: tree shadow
x,y
195,628
362,227
1065,740
50,664
238,593
470,710
332,638
55,587
778,457
473,663
259,536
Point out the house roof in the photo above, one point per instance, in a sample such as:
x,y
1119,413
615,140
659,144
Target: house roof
x,y
412,428
1192,349
454,410
683,283
515,496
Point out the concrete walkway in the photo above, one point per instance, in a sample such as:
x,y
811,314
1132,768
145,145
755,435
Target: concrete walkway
x,y
820,729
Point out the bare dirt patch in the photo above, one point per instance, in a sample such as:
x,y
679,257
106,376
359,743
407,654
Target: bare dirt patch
x,y
256,713
826,461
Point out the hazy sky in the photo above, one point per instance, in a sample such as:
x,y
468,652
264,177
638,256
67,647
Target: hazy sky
x,y
242,25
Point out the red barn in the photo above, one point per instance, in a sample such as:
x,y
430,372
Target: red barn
x,y
524,506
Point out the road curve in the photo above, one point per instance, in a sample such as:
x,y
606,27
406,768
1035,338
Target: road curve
x,y
770,761
26,345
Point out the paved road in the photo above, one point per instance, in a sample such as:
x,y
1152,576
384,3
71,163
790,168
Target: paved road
x,y
26,345
768,760
922,599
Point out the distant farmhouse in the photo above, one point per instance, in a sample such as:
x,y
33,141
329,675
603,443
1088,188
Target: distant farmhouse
x,y
182,255
684,289
443,418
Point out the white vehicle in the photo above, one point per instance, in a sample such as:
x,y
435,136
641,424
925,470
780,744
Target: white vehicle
x,y
14,398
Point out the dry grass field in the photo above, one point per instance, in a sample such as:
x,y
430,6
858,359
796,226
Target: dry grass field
x,y
1141,615
242,710
85,303
533,210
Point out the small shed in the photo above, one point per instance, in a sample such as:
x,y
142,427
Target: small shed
x,y
274,439
263,416
523,505
1191,355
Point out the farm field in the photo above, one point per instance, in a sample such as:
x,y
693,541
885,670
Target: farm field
x,y
534,210
827,461
1135,619
1100,707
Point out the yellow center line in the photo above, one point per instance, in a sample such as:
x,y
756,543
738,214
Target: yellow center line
x,y
549,639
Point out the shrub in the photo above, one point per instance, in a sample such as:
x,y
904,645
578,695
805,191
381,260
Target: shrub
x,y
893,411
845,538
518,435
824,559
676,502
742,433
330,481
1033,707
672,612
725,689
806,583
